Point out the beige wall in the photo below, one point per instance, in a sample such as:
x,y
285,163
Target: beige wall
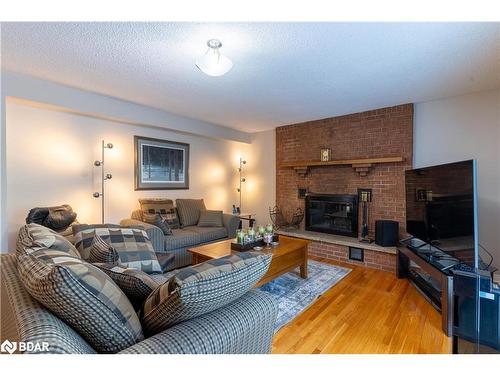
x,y
261,183
50,158
460,128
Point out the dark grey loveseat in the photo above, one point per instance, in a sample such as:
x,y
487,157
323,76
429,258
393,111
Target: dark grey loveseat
x,y
243,326
184,238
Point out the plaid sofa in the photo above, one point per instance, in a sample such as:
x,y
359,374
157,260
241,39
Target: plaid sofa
x,y
241,327
184,238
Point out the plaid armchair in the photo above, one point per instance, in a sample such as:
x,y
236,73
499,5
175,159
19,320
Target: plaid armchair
x,y
244,326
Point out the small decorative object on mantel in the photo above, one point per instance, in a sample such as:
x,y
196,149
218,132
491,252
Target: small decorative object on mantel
x,y
160,164
326,154
104,176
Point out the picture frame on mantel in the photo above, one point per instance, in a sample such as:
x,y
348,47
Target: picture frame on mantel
x,y
160,164
326,154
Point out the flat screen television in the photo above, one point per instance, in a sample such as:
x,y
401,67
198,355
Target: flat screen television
x,y
441,208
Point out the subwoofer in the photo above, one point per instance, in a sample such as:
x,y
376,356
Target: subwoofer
x,y
386,232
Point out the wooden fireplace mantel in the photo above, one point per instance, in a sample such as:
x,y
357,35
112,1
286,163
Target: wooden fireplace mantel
x,y
361,166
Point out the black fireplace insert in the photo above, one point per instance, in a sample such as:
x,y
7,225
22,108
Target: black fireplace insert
x,y
335,214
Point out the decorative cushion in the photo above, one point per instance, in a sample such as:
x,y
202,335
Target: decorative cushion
x,y
165,260
200,289
38,215
78,293
59,217
156,205
68,232
102,252
136,285
159,221
164,207
172,218
42,238
189,210
131,243
210,218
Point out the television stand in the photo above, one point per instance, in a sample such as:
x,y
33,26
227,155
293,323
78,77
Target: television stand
x,y
439,292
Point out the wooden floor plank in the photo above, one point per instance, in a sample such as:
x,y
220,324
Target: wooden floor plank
x,y
369,311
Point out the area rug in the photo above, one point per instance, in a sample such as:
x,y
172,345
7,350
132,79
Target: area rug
x,y
295,294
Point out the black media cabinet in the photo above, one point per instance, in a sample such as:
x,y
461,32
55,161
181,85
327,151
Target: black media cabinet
x,y
439,293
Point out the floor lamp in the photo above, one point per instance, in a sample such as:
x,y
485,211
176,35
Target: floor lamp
x,y
242,180
104,177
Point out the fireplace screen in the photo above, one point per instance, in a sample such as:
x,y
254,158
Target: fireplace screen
x,y
335,214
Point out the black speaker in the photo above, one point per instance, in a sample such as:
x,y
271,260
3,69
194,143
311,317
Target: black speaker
x,y
386,232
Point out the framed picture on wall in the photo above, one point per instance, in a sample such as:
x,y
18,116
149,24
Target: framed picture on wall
x,y
160,164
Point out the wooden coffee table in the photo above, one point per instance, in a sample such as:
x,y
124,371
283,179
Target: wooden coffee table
x,y
288,255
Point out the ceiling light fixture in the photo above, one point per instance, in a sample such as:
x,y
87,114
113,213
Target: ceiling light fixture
x,y
213,63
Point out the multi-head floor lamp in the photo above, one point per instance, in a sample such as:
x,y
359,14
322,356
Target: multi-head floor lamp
x,y
242,179
104,177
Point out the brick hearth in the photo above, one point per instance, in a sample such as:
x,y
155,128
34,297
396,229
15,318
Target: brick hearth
x,y
379,133
372,259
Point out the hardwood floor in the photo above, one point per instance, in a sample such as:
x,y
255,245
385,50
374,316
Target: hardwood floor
x,y
369,311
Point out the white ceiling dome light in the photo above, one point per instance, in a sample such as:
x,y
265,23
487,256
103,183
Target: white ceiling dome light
x,y
213,63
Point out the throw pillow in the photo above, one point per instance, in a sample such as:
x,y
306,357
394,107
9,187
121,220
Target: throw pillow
x,y
210,218
136,285
59,217
165,260
131,243
164,207
42,237
200,289
68,232
102,252
38,215
172,218
159,221
155,205
80,294
189,210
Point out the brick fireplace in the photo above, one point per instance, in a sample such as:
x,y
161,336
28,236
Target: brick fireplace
x,y
381,133
335,214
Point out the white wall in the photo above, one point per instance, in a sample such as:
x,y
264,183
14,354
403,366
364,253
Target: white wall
x,y
460,128
84,105
2,160
3,173
261,179
50,158
75,100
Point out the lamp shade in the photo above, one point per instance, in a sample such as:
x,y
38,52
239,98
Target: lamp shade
x,y
213,63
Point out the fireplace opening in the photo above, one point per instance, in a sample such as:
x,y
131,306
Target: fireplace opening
x,y
334,214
